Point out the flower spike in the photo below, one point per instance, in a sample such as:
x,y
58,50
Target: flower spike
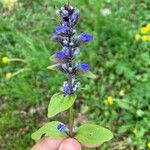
x,y
65,34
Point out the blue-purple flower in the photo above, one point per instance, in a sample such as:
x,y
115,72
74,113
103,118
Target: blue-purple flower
x,y
62,54
61,127
85,37
75,17
66,88
61,29
85,67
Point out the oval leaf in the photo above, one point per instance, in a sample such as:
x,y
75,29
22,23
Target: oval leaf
x,y
49,129
59,103
89,74
53,58
53,67
91,135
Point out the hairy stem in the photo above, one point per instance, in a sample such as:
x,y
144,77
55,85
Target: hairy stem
x,y
71,110
71,121
70,83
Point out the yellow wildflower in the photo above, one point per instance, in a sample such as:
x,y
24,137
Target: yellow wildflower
x,y
148,38
144,38
148,145
5,60
110,100
143,30
8,75
148,27
137,37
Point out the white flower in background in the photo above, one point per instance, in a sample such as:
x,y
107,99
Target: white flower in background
x,y
122,93
9,4
105,11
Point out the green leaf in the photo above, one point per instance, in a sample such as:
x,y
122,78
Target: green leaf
x,y
91,134
125,104
53,67
53,58
89,74
49,129
124,128
125,69
59,103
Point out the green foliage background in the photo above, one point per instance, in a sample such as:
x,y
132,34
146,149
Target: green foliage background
x,y
119,61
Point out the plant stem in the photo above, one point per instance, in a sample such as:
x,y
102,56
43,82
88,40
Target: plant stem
x,y
17,59
71,120
21,70
68,2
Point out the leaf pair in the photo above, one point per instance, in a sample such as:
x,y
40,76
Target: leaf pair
x,y
58,103
89,135
87,74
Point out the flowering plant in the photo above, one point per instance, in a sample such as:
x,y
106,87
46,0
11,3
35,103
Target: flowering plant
x,y
144,34
89,135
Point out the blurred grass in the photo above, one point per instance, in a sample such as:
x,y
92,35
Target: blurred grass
x,y
119,61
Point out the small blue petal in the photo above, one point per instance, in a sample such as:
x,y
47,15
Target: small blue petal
x,y
61,29
67,90
85,37
60,54
61,127
85,67
66,52
75,16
